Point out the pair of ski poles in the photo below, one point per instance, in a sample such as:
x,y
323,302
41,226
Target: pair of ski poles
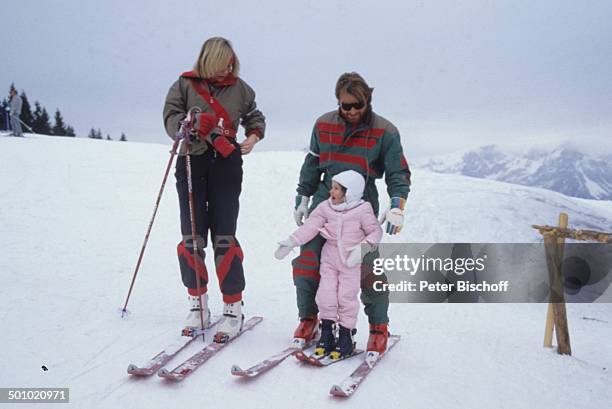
x,y
184,134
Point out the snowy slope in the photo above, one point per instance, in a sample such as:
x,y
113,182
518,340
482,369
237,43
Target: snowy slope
x,y
73,213
563,168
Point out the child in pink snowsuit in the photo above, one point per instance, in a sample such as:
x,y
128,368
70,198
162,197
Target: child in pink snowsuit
x,y
346,221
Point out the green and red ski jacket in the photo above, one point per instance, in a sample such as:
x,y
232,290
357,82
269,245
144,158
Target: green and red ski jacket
x,y
373,149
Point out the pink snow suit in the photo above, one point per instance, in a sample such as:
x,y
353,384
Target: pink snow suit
x,y
344,230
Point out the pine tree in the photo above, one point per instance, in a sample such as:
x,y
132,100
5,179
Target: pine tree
x,y
108,138
92,134
123,138
99,134
36,115
4,115
70,131
26,111
59,128
45,123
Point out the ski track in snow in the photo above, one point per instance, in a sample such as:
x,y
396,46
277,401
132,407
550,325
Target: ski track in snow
x,y
73,214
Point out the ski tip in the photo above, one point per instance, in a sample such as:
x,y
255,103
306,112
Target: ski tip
x,y
255,320
337,391
166,374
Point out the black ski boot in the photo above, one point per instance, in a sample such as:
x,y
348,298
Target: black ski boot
x,y
345,345
327,342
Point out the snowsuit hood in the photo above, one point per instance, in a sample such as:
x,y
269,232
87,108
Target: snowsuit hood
x,y
354,184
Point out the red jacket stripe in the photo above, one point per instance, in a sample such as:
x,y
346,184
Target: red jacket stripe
x,y
360,142
329,127
346,158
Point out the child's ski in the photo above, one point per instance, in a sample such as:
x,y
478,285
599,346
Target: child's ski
x,y
348,386
324,360
196,360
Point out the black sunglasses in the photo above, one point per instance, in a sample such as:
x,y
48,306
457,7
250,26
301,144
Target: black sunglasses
x,y
357,105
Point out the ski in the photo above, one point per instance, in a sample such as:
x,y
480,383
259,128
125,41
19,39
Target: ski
x,y
199,358
169,352
352,382
324,360
269,363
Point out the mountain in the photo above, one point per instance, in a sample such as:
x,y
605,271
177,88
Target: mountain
x,y
564,169
73,214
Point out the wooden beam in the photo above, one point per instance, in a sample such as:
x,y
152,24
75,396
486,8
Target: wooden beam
x,y
557,293
583,235
550,322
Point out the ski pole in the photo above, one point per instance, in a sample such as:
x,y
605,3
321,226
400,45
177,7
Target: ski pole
x,y
26,125
146,239
182,134
196,250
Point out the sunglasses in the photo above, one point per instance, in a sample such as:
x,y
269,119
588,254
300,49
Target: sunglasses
x,y
347,107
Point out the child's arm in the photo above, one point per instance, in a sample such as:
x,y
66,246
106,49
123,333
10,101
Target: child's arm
x,y
311,226
304,234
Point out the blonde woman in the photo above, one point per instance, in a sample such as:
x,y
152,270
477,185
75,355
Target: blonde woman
x,y
215,88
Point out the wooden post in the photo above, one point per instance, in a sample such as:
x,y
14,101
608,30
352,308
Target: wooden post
x,y
550,323
557,294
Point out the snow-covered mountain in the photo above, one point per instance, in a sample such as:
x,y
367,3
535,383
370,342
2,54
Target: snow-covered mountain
x,y
564,169
73,213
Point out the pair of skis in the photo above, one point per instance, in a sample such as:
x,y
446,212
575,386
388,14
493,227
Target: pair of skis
x,y
187,367
343,389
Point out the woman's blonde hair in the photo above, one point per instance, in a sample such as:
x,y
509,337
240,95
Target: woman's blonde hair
x,y
216,54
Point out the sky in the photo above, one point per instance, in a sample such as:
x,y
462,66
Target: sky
x,y
448,74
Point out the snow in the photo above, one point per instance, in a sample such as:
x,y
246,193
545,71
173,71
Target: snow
x,y
73,214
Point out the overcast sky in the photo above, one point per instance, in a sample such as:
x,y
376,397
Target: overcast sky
x,y
449,74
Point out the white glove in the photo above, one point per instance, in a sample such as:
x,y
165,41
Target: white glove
x,y
355,256
301,209
284,248
394,218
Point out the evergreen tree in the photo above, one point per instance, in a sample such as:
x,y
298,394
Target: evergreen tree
x,y
93,134
45,123
123,138
108,138
4,115
70,131
59,128
36,115
26,111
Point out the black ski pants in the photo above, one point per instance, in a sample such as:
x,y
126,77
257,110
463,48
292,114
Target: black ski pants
x,y
217,183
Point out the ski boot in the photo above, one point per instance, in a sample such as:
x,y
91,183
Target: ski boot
x,y
193,324
345,345
327,342
307,331
231,322
377,342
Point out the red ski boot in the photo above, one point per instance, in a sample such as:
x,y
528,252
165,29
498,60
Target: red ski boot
x,y
307,331
377,342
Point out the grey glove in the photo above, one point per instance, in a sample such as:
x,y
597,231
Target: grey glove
x,y
301,209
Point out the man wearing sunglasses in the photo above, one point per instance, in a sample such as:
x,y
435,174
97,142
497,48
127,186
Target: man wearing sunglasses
x,y
351,137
